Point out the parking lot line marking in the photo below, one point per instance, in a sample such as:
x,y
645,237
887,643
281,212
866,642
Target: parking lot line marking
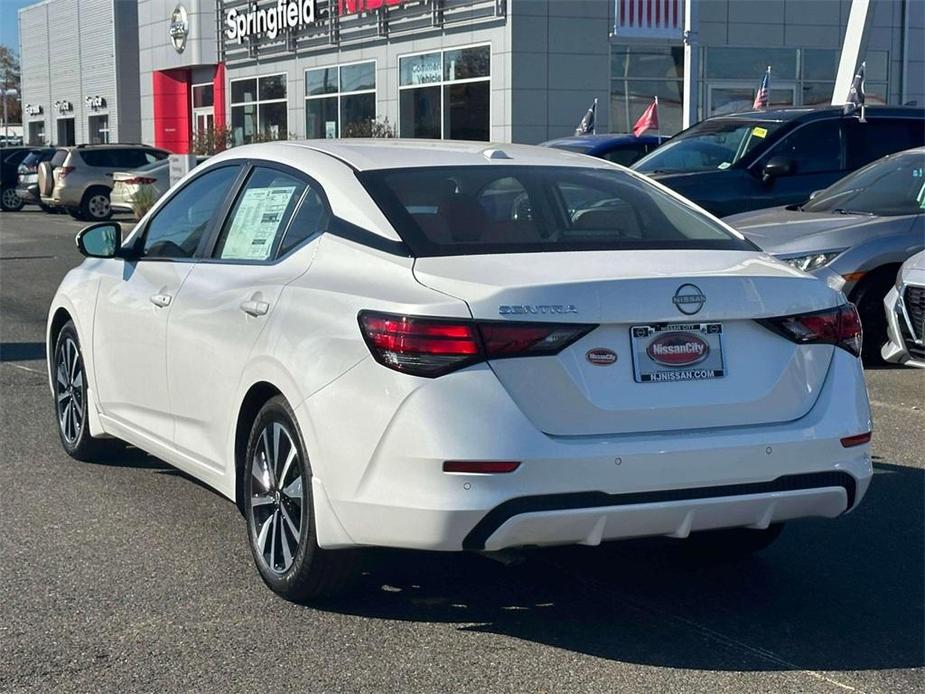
x,y
726,640
26,368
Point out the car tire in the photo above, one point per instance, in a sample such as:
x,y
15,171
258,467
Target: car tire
x,y
69,380
95,206
869,300
730,543
10,200
280,515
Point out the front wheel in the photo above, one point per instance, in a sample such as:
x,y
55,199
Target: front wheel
x,y
70,388
10,200
280,518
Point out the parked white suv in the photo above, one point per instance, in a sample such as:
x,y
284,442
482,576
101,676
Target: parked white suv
x,y
459,346
79,179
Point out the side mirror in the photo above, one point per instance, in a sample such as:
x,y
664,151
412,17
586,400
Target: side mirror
x,y
775,167
101,240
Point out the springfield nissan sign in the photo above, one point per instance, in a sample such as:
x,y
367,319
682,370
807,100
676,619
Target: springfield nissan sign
x,y
269,20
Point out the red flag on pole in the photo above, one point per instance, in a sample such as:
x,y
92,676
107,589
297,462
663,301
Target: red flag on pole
x,y
648,120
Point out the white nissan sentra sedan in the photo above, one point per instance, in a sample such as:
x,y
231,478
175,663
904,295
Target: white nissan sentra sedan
x,y
459,346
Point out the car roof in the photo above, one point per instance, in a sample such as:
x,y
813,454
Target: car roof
x,y
371,154
783,115
593,143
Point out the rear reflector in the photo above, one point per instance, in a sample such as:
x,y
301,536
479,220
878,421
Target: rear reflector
x,y
856,440
137,180
483,467
840,326
435,346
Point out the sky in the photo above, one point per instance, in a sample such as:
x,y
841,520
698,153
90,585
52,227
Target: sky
x,y
9,22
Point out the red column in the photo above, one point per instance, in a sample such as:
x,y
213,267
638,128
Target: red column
x,y
172,110
218,95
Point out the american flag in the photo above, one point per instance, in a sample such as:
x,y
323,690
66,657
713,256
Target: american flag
x,y
761,98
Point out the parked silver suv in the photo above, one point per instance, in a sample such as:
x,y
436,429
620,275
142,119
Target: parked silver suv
x,y
79,179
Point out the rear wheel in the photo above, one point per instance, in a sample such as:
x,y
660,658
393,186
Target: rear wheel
x,y
70,388
730,543
95,205
869,300
280,519
10,200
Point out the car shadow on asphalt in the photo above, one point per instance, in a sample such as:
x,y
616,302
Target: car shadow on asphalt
x,y
829,595
21,351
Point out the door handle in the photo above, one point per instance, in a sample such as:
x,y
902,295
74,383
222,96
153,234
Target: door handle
x,y
160,300
255,308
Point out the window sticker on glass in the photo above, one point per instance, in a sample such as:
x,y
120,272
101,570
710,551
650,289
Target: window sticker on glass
x,y
257,220
760,132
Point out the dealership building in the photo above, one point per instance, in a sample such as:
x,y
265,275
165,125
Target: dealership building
x,y
160,72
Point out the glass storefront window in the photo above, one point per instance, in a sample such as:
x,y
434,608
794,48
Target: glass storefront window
x,y
37,133
243,90
446,95
426,68
739,63
203,95
419,112
738,99
99,130
266,117
340,100
467,63
640,73
820,64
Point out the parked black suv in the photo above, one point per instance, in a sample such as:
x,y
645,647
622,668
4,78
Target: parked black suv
x,y
748,161
10,159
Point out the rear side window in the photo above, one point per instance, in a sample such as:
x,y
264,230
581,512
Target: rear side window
x,y
813,148
59,157
520,209
880,136
260,216
625,155
115,158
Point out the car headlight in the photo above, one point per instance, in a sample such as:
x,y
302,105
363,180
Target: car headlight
x,y
810,262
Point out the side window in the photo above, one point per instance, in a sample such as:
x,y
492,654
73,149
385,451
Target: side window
x,y
878,137
97,157
310,219
178,226
625,155
813,148
259,216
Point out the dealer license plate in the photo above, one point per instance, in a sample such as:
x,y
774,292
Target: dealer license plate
x,y
677,352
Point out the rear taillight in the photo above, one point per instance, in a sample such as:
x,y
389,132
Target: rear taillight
x,y
433,346
137,180
840,326
64,171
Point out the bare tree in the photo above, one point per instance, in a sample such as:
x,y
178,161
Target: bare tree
x,y
10,80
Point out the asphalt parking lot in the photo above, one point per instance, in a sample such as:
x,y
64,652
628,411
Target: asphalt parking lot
x,y
129,576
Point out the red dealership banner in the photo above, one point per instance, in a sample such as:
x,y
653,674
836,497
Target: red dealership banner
x,y
355,6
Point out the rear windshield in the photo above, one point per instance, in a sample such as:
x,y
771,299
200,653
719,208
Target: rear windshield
x,y
889,187
470,210
59,157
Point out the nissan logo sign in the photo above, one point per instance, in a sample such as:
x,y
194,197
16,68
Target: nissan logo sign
x,y
179,28
688,299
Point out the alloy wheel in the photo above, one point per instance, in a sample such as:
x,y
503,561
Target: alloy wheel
x,y
98,205
69,387
276,504
11,199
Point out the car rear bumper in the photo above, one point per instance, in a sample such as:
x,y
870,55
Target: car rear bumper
x,y
901,347
390,490
29,194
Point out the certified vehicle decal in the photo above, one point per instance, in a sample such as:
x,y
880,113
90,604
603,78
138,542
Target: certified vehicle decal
x,y
678,349
601,356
